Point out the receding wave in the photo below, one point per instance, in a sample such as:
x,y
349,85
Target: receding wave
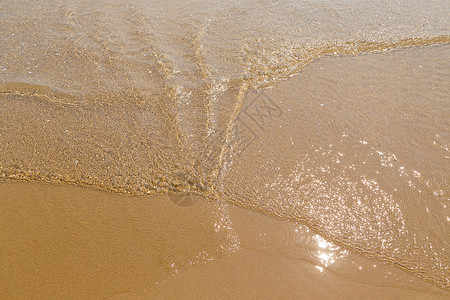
x,y
151,98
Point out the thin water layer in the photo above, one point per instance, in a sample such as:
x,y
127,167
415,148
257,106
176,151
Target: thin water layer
x,y
153,98
357,148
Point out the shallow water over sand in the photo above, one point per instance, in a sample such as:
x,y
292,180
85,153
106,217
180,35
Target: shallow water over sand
x,y
363,157
156,98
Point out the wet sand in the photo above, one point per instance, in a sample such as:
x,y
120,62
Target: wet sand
x,y
61,241
355,147
267,124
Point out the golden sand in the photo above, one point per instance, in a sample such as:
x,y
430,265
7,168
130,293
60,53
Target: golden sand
x,y
355,147
60,241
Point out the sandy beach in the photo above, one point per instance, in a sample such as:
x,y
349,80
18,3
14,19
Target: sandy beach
x,y
60,241
231,150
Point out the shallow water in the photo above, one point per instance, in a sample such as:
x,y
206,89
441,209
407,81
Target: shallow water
x,y
158,97
362,158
